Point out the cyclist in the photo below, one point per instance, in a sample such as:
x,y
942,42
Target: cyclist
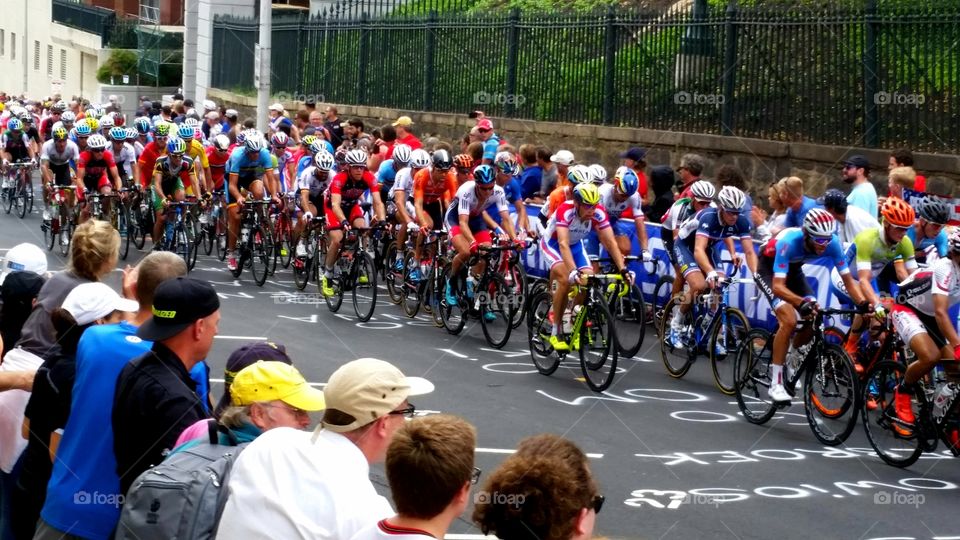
x,y
921,316
696,243
170,174
780,278
562,246
15,145
198,155
433,189
250,169
576,174
56,113
387,173
153,150
342,208
218,154
616,199
927,235
55,165
93,167
144,136
312,185
506,167
600,175
283,162
125,157
470,224
464,165
400,196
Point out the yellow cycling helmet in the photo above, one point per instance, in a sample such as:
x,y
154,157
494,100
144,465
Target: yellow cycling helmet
x,y
586,194
93,123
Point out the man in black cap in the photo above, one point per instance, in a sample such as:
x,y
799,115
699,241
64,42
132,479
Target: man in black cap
x,y
856,172
155,397
635,159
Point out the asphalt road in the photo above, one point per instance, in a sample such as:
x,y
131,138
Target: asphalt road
x,y
673,457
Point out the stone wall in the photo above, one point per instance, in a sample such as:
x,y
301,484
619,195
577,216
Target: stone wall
x,y
761,161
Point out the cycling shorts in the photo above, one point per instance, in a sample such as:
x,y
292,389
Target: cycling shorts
x,y
551,251
684,259
353,212
95,184
910,323
61,174
796,282
435,212
158,201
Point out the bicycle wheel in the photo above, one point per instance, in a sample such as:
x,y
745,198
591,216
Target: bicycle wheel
x,y
538,334
207,234
752,369
497,308
598,347
661,295
66,234
454,316
221,232
124,229
7,199
259,255
50,232
431,297
190,228
183,246
20,201
516,280
334,302
302,266
136,228
830,395
29,199
676,359
364,291
726,336
411,289
283,240
834,335
892,439
628,320
394,275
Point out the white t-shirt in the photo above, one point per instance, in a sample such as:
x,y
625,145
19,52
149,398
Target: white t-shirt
x,y
857,220
384,530
295,484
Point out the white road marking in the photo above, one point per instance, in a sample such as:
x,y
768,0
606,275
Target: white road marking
x,y
248,338
510,451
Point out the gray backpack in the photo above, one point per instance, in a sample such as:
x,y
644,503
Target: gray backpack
x,y
182,497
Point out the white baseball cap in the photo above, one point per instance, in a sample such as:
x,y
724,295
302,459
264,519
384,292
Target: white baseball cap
x,y
209,105
88,302
564,157
276,107
24,258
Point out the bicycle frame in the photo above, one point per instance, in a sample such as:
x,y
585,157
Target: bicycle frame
x,y
816,350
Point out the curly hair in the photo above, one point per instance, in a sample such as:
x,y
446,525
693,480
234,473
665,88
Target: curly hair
x,y
537,493
94,243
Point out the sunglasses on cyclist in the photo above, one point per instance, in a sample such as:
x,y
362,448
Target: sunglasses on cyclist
x,y
485,188
821,241
899,228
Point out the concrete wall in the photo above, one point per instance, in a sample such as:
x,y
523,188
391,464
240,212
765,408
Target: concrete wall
x,y
197,81
761,161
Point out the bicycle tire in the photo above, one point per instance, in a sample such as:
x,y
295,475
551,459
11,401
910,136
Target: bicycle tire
x,y
500,303
598,372
676,361
7,199
269,249
544,358
432,299
207,235
363,266
518,286
258,256
879,423
20,201
221,232
137,227
302,266
752,369
190,233
29,199
125,232
66,232
832,412
411,291
661,295
723,349
454,316
51,232
628,319
392,275
283,241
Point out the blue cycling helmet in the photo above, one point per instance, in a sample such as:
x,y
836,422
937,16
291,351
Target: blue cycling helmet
x,y
118,133
484,175
185,132
627,183
176,146
143,125
83,129
14,124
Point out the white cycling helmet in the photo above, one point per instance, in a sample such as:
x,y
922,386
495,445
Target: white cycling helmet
x,y
356,158
599,173
221,142
254,142
819,222
703,190
580,174
419,159
323,160
106,123
401,154
731,199
97,142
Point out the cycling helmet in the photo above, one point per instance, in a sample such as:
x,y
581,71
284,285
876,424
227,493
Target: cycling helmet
x,y
191,121
106,122
441,160
25,116
934,210
323,160
162,129
897,212
279,139
340,158
484,175
505,163
627,183
98,111
14,124
253,143
401,154
419,159
93,123
221,142
580,174
835,200
599,173
176,145
953,241
117,119
308,140
118,134
356,158
97,142
83,129
131,133
703,190
59,134
185,132
819,222
142,124
59,106
68,118
461,161
317,146
731,199
587,194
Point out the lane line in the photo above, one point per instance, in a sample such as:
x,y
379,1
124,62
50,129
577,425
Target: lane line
x,y
510,451
250,338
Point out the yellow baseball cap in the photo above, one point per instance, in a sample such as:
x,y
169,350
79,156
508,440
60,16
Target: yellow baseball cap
x,y
403,121
271,381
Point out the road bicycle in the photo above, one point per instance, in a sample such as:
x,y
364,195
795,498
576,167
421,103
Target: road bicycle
x,y
420,290
283,231
59,229
255,242
180,231
354,271
314,240
19,190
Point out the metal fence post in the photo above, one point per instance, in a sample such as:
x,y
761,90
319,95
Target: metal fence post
x,y
326,62
364,55
871,83
609,65
428,71
513,54
729,70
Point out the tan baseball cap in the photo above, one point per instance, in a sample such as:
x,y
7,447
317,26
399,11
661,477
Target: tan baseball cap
x,y
368,389
403,121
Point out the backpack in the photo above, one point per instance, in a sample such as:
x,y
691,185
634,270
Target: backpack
x,y
183,496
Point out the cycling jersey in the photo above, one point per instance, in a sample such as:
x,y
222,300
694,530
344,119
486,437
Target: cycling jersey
x,y
616,209
46,127
386,174
125,162
789,251
171,177
247,169
942,278
137,149
196,151
874,254
16,145
466,203
95,169
425,189
308,181
404,183
218,166
304,162
280,167
707,224
351,191
939,242
566,218
681,211
148,160
49,154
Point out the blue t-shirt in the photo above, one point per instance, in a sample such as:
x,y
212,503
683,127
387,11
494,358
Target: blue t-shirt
x,y
864,196
490,147
940,240
795,217
792,250
247,168
302,165
386,175
530,180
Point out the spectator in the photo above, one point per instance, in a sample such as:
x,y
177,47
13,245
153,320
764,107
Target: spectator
x,y
28,265
49,406
563,159
903,157
901,178
232,127
318,484
85,459
278,118
490,140
332,124
851,220
353,132
430,471
310,104
543,491
798,204
549,174
316,119
475,151
635,159
690,169
155,397
731,175
531,177
663,179
404,134
856,171
769,225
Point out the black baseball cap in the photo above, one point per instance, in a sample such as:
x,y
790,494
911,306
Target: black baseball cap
x,y
178,303
247,355
834,199
858,161
635,153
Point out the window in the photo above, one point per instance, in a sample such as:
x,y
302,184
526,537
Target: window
x,y
50,60
3,38
63,64
13,46
36,55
